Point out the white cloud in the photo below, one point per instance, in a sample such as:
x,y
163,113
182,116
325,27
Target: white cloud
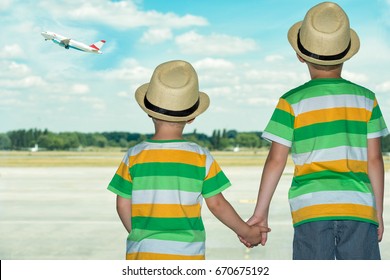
x,y
5,4
355,77
11,51
156,35
273,58
130,70
262,101
212,63
121,14
79,89
214,44
23,83
383,87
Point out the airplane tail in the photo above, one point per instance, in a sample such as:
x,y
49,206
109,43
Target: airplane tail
x,y
98,45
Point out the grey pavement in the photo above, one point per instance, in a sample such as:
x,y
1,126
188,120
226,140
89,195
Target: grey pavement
x,y
64,213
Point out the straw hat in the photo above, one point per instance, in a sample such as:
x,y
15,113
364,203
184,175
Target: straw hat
x,y
173,93
324,36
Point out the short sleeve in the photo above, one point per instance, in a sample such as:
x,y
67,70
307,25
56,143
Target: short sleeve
x,y
215,181
121,183
280,128
376,126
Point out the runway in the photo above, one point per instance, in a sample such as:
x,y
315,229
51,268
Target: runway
x,y
66,213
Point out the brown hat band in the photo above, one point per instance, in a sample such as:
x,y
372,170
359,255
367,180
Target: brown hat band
x,y
322,57
182,113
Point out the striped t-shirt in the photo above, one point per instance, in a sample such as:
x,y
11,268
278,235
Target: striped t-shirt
x,y
327,124
167,181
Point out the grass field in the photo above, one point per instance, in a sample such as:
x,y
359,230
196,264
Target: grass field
x,y
112,157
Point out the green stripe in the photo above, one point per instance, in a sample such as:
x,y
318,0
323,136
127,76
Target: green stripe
x,y
347,181
333,218
219,181
376,125
323,87
167,169
217,191
330,128
329,141
167,183
376,113
114,190
283,117
279,130
168,224
177,235
122,185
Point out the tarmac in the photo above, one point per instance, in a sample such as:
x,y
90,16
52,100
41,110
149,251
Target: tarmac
x,y
66,213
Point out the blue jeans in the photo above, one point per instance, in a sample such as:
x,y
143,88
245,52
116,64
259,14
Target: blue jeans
x,y
340,240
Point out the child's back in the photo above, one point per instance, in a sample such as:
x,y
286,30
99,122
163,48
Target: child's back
x,y
169,181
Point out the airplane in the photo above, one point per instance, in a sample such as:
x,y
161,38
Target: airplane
x,y
70,43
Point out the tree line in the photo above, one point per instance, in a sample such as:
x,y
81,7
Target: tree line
x,y
219,140
24,139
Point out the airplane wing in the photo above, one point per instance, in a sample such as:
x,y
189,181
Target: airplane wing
x,y
65,42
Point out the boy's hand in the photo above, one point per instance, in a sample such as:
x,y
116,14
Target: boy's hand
x,y
254,236
263,224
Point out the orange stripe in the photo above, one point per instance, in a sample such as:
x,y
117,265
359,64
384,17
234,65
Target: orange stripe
x,y
333,114
154,256
214,170
329,210
335,165
185,157
123,171
166,210
285,106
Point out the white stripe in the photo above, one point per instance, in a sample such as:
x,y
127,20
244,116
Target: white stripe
x,y
272,137
181,146
378,134
332,101
166,197
338,153
166,247
331,197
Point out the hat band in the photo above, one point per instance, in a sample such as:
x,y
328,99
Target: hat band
x,y
171,113
322,57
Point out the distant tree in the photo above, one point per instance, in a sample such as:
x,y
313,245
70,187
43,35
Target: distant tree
x,y
5,142
250,140
386,144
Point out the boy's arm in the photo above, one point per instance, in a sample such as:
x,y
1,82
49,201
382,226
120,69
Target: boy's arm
x,y
123,207
224,211
273,169
376,175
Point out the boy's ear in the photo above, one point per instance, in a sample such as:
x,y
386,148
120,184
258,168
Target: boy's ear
x,y
301,59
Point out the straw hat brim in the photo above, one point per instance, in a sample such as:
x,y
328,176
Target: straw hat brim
x,y
293,39
140,93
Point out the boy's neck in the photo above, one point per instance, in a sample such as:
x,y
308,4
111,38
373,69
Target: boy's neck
x,y
167,136
168,131
324,74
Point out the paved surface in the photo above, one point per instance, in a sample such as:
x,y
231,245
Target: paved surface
x,y
67,213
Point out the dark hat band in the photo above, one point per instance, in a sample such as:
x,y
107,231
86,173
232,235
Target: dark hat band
x,y
322,57
183,113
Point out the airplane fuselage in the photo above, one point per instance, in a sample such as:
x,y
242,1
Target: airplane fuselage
x,y
68,43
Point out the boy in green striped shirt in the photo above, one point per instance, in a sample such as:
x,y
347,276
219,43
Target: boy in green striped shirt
x,y
161,183
333,128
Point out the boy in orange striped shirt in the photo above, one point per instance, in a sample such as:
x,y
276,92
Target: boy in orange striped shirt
x,y
334,129
161,182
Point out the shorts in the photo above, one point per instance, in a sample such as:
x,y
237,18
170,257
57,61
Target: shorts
x,y
336,240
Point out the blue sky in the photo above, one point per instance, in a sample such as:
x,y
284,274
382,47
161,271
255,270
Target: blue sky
x,y
239,49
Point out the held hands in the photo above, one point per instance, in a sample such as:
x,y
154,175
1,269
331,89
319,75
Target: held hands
x,y
258,233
